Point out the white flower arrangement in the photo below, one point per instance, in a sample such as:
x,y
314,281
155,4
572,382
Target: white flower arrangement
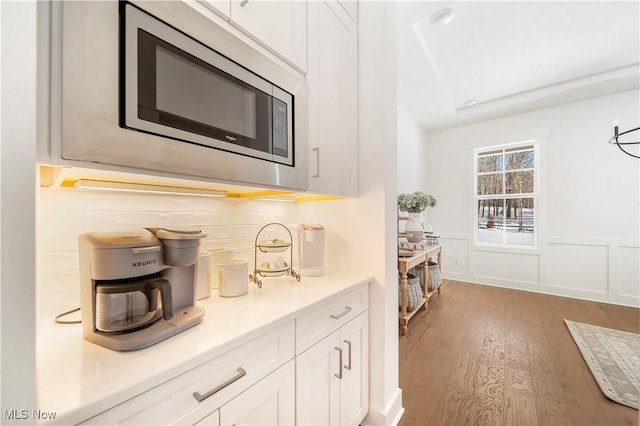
x,y
416,202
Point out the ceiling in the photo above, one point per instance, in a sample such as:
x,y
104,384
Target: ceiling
x,y
495,59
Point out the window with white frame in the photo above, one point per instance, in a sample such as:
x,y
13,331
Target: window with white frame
x,y
506,195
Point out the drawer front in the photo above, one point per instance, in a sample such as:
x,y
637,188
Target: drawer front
x,y
216,382
322,321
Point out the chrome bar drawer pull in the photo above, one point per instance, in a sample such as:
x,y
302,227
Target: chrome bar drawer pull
x,y
349,344
243,3
339,374
347,309
241,373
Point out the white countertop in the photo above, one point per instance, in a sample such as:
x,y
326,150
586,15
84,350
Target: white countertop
x,y
78,379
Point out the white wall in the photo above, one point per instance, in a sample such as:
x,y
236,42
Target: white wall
x,y
412,160
65,213
19,126
412,154
589,207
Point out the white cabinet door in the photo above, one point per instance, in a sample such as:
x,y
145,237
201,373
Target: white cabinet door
x,y
212,419
317,383
332,382
281,26
351,6
268,402
332,79
354,386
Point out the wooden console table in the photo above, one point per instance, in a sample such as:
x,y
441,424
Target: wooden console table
x,y
404,264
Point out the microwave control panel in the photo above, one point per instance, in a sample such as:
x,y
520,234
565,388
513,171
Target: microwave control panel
x,y
280,128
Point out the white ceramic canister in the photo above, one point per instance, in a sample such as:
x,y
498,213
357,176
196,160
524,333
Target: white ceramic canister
x,y
217,255
234,277
203,283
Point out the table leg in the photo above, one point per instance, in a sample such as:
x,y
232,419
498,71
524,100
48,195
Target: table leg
x,y
425,283
440,268
403,301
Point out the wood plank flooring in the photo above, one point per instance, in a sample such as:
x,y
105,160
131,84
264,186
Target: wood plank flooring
x,y
485,355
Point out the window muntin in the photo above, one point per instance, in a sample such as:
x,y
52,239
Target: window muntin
x,y
506,195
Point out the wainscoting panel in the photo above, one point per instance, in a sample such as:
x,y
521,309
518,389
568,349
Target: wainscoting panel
x,y
517,268
455,255
579,266
585,268
628,260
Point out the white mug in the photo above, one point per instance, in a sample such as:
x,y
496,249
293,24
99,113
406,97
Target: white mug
x,y
217,255
233,277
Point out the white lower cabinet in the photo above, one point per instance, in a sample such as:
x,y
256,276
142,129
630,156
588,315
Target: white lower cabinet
x,y
197,395
268,402
311,370
212,419
332,377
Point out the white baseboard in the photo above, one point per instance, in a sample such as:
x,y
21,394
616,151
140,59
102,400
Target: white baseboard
x,y
390,415
550,289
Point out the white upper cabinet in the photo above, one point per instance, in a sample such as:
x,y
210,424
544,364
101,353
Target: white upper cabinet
x,y
351,6
280,26
332,80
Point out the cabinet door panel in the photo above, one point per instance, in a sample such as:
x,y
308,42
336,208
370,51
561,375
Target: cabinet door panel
x,y
332,82
351,7
317,387
268,402
354,386
280,26
212,419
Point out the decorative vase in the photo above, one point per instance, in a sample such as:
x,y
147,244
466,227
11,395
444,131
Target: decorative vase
x,y
414,227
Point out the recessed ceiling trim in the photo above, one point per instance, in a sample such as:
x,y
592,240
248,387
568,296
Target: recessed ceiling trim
x,y
544,92
418,33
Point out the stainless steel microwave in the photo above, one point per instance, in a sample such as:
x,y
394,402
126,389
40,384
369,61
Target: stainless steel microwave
x,y
162,94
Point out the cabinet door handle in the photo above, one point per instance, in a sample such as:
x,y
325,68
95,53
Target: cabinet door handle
x,y
243,3
339,374
349,344
241,373
317,150
347,309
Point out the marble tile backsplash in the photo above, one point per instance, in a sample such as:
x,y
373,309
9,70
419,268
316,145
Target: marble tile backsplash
x,y
65,213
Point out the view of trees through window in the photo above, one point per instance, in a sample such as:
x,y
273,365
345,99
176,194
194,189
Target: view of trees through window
x,y
506,195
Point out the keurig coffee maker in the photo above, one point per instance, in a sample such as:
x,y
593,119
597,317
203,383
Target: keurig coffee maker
x,y
138,287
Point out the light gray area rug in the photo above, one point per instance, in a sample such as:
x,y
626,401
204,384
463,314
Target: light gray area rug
x,y
613,356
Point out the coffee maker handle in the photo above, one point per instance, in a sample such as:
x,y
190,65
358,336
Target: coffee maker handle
x,y
165,295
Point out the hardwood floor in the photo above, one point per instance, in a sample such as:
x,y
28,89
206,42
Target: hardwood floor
x,y
491,356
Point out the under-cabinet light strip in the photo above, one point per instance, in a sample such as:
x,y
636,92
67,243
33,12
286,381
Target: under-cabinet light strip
x,y
148,189
274,198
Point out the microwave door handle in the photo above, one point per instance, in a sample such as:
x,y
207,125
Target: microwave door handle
x,y
243,3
